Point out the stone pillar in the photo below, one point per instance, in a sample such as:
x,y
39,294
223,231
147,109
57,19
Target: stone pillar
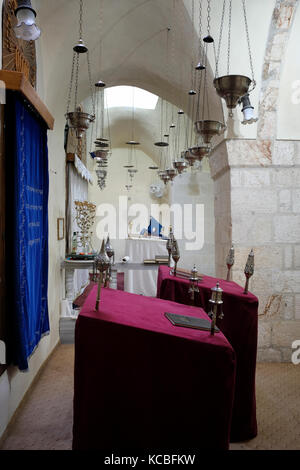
x,y
257,205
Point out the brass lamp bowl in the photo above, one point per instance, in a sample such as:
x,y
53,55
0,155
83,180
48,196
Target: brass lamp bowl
x,y
209,129
80,121
180,165
164,177
101,154
200,152
171,172
190,158
231,88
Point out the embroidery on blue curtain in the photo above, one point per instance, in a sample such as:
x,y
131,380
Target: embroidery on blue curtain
x,y
26,145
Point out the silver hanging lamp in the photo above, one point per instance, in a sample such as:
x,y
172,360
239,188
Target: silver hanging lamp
x,y
78,119
204,126
232,88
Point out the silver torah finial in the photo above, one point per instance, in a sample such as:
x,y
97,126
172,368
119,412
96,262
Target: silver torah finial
x,y
169,244
249,270
102,264
175,255
110,253
216,302
229,262
194,279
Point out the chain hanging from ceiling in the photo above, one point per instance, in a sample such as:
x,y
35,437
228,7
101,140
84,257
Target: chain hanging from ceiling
x,y
205,127
132,165
102,140
78,119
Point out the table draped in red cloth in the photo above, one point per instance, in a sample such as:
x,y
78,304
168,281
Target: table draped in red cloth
x,y
142,383
239,326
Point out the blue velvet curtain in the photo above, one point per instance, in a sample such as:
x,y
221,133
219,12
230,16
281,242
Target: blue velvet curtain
x,y
27,206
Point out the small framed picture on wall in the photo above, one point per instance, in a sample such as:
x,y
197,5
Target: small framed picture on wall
x,y
60,229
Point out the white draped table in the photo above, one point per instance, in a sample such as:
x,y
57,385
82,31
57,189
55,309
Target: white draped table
x,y
143,281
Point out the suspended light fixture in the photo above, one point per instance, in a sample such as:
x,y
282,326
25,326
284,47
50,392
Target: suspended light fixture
x,y
247,110
233,87
132,160
26,27
78,119
204,126
180,165
208,39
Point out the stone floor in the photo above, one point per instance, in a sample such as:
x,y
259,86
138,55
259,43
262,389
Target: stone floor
x,y
44,421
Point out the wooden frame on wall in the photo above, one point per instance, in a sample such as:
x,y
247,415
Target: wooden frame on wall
x,y
60,229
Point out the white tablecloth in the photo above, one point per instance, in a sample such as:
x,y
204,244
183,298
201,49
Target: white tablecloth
x,y
139,249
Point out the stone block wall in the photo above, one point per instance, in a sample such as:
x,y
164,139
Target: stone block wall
x,y
257,205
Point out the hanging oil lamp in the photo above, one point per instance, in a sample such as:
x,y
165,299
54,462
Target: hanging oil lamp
x,y
229,87
204,126
78,119
200,152
171,172
102,264
164,176
190,157
208,129
180,165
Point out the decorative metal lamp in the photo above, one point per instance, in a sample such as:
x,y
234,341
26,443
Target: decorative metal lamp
x,y
171,172
26,27
249,270
175,255
208,129
77,119
216,306
194,279
169,244
233,87
229,262
190,157
180,166
110,253
200,152
102,154
164,176
102,264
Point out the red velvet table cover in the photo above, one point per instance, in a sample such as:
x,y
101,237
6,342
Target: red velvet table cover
x,y
239,326
142,383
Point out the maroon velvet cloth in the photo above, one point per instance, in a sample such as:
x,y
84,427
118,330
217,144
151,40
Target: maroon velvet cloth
x,y
142,383
239,326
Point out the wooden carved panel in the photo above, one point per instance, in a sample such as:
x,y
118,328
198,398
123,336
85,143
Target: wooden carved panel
x,y
17,55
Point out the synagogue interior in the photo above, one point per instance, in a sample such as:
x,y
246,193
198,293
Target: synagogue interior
x,y
150,226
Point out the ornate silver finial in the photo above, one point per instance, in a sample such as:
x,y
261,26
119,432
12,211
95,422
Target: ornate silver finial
x,y
216,302
194,279
175,254
110,253
229,262
249,270
102,264
169,244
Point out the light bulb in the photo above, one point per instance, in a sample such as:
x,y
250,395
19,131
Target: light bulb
x,y
26,28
